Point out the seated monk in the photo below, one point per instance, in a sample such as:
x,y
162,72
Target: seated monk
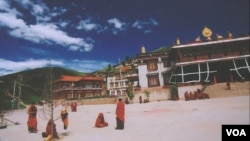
x,y
51,127
100,121
199,94
191,96
186,96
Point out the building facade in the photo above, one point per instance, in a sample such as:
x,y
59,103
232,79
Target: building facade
x,y
146,70
203,61
77,87
211,60
122,78
153,68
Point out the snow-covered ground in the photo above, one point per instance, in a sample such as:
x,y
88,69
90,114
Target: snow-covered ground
x,y
198,120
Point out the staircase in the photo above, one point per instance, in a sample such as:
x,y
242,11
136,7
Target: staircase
x,y
220,89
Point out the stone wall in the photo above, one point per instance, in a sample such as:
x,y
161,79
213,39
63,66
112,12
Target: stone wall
x,y
156,94
109,100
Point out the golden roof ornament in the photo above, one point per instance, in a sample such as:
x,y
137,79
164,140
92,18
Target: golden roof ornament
x,y
230,35
198,39
219,36
178,42
206,32
143,50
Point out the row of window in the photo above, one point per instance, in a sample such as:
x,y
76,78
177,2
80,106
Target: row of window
x,y
79,85
152,65
69,94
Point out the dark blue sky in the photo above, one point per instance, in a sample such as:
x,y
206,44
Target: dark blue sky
x,y
87,35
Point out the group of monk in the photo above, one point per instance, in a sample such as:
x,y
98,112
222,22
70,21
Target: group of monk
x,y
196,95
50,132
120,117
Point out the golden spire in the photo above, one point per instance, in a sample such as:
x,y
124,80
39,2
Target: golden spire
x,y
178,42
230,35
143,49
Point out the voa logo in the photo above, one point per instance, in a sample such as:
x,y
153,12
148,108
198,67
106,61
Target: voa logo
x,y
236,132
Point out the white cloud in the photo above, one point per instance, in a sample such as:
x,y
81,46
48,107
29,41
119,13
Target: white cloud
x,y
8,66
63,24
145,25
47,33
87,25
137,24
117,25
24,3
4,6
154,22
85,65
10,20
37,9
116,22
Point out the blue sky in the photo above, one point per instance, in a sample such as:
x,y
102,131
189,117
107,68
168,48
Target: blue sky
x,y
87,35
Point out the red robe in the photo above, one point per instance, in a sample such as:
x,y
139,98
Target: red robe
x,y
32,121
186,96
120,111
100,121
140,99
49,129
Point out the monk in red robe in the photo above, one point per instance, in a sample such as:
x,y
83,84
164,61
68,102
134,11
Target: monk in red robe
x,y
32,120
140,99
120,114
100,121
73,106
51,128
186,96
191,96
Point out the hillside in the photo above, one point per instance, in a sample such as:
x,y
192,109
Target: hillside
x,y
33,84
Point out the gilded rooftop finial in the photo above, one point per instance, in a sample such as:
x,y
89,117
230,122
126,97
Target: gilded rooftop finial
x,y
198,39
230,35
178,42
143,49
218,36
206,32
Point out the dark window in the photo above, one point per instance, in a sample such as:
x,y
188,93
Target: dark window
x,y
153,80
166,77
88,85
152,66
